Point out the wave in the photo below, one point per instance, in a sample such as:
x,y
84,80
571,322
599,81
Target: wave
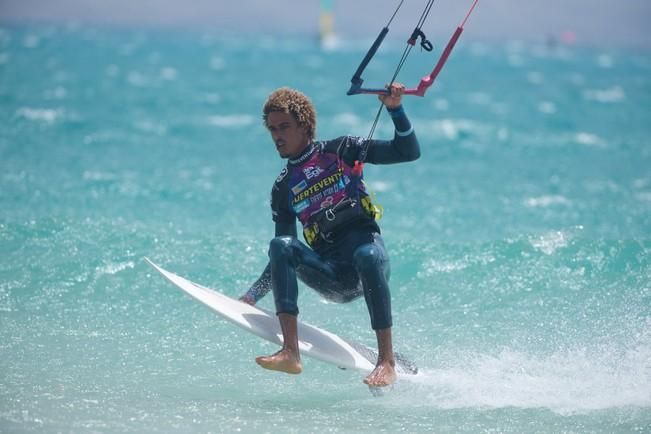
x,y
40,114
574,381
231,121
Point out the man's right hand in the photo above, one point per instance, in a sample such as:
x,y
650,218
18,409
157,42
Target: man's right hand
x,y
394,98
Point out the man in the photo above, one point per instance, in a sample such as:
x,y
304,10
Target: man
x,y
321,187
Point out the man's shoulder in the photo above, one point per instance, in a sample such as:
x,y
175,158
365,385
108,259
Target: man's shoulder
x,y
280,210
342,145
281,178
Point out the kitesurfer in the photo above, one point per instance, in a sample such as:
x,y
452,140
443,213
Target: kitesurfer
x,y
321,186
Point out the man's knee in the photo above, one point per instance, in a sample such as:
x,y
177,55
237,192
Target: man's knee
x,y
281,246
367,257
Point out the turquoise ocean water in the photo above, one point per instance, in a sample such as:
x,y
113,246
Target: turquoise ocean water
x,y
520,241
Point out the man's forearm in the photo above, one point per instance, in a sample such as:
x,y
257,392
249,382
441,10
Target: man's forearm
x,y
260,287
404,146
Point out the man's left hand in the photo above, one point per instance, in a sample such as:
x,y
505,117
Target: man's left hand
x,y
246,298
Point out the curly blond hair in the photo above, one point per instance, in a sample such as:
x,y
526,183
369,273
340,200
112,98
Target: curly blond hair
x,y
291,101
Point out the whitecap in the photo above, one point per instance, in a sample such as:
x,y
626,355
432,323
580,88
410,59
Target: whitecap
x,y
641,183
347,119
168,73
91,175
546,201
38,114
610,95
331,43
643,196
153,127
550,242
547,107
231,121
449,129
566,382
380,186
454,128
137,79
434,266
113,268
588,139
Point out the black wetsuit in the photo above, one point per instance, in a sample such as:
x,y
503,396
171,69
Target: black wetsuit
x,y
349,261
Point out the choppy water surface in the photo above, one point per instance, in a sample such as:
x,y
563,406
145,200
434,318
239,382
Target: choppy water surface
x,y
521,256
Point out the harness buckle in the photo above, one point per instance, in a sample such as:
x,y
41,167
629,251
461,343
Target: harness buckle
x,y
327,237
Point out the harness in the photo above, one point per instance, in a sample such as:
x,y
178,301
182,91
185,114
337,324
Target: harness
x,y
325,194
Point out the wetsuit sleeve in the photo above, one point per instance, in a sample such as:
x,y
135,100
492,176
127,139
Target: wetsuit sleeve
x,y
404,146
260,287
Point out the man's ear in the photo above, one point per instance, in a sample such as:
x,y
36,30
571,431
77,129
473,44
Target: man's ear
x,y
303,129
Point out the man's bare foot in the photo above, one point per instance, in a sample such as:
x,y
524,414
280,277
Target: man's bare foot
x,y
283,361
384,374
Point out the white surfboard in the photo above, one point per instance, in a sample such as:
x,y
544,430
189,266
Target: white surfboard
x,y
313,341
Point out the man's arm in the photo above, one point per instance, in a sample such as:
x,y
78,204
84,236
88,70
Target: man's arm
x,y
404,146
262,286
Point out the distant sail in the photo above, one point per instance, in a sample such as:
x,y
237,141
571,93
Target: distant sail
x,y
326,25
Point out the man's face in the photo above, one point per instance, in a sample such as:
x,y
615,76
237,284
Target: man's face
x,y
290,138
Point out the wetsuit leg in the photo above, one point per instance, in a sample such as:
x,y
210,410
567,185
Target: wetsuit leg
x,y
287,256
372,264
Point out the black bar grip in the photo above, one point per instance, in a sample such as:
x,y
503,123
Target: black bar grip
x,y
369,55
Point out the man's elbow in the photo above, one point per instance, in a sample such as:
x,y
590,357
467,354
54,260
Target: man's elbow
x,y
414,150
406,147
415,155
